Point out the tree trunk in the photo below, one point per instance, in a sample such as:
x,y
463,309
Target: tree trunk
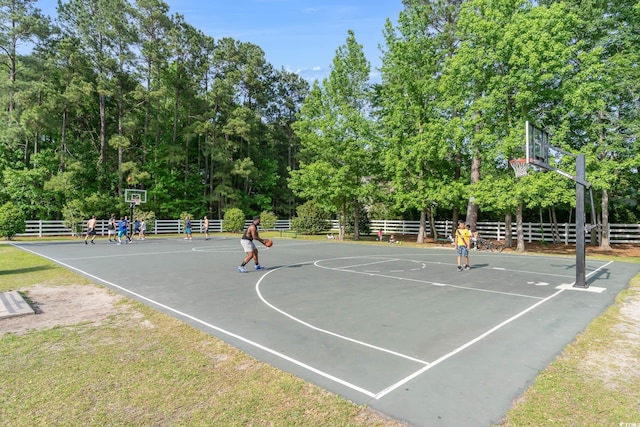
x,y
342,222
103,128
554,224
472,208
432,225
423,226
508,230
604,224
63,142
456,176
356,219
519,228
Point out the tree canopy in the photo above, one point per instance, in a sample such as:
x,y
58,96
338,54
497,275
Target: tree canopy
x,y
124,94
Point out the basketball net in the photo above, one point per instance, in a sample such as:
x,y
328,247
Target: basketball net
x,y
520,167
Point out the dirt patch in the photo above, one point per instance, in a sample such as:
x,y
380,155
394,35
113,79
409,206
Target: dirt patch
x,y
61,306
617,364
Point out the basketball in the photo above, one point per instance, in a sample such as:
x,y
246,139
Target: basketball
x,y
268,243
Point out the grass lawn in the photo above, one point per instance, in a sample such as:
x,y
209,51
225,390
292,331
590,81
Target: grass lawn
x,y
138,366
141,367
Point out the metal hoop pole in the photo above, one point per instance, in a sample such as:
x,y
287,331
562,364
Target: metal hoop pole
x,y
581,281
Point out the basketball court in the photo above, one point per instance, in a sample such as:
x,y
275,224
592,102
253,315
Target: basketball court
x,y
392,327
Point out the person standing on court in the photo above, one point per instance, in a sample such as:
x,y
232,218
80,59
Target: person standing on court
x,y
111,228
127,230
91,230
136,228
251,234
206,227
187,227
463,244
122,229
143,229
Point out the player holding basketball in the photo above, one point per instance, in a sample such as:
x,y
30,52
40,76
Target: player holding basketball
x,y
463,244
251,234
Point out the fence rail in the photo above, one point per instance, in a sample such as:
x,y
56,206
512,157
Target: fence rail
x,y
533,232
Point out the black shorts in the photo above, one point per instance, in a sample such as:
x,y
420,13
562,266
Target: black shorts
x,y
92,232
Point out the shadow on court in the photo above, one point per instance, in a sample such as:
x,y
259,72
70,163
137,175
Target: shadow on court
x,y
396,328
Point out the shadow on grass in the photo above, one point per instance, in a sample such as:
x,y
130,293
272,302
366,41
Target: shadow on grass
x,y
25,270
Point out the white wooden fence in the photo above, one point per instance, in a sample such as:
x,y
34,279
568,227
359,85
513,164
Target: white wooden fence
x,y
618,233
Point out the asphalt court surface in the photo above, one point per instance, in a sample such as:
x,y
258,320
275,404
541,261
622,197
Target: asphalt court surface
x,y
396,328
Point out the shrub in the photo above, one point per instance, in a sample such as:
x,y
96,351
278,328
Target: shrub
x,y
12,221
268,219
310,219
148,217
74,216
233,220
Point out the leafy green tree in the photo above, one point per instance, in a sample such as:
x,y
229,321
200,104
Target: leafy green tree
x,y
599,115
422,152
337,137
98,26
12,221
20,23
510,74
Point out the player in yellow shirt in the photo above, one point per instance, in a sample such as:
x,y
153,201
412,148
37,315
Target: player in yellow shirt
x,y
463,245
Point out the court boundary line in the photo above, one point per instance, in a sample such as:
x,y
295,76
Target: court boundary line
x,y
216,328
296,362
327,332
428,282
475,340
428,365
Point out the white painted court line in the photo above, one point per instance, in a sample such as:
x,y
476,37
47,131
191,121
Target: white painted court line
x,y
570,287
441,359
324,331
594,289
127,255
382,261
426,282
377,396
475,340
209,325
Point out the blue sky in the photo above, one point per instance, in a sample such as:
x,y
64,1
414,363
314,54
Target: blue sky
x,y
301,36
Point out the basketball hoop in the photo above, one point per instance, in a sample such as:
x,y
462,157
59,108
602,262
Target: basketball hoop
x,y
520,167
135,201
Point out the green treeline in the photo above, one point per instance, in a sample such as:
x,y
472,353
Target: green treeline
x,y
118,94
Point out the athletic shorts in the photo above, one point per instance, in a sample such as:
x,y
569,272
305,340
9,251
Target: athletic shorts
x,y
187,230
247,245
463,250
121,233
92,231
